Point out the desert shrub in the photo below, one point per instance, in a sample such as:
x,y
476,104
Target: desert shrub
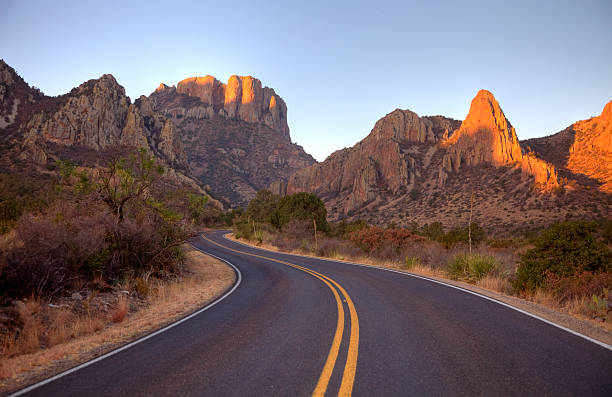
x,y
343,228
577,285
411,261
607,231
376,238
473,267
21,194
563,250
243,228
56,247
457,236
434,231
301,207
110,221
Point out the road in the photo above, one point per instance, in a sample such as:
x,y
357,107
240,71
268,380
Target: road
x,y
303,326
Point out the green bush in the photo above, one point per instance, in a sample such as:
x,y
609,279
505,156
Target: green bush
x,y
473,267
298,207
262,207
457,236
563,250
411,261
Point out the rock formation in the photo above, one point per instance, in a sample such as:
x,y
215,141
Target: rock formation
x,y
582,150
486,136
95,116
243,98
425,169
391,158
236,135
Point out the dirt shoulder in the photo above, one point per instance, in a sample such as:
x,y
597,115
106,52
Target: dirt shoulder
x,y
580,325
206,279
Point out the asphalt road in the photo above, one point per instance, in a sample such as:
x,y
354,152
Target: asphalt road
x,y
298,326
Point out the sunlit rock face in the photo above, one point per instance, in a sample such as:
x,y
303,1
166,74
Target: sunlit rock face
x,y
582,150
235,135
486,136
243,98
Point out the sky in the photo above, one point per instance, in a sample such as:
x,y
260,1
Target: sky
x,y
339,65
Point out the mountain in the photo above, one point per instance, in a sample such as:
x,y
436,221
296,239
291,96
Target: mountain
x,y
231,139
235,135
581,151
93,120
427,169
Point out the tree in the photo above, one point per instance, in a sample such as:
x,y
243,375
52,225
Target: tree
x,y
301,206
262,207
128,179
563,250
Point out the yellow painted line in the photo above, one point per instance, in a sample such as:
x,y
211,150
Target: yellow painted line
x,y
348,376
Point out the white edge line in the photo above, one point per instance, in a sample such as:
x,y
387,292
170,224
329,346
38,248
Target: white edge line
x,y
137,341
597,342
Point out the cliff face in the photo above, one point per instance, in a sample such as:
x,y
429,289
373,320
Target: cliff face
x,y
425,169
95,116
242,98
486,136
235,135
582,150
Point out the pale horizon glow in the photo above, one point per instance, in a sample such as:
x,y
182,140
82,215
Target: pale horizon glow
x,y
339,66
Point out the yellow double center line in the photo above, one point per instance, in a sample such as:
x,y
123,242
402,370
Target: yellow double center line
x,y
348,376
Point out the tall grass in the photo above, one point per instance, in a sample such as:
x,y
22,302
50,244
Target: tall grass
x,y
473,267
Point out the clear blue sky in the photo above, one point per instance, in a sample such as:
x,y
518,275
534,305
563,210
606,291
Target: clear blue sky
x,y
340,66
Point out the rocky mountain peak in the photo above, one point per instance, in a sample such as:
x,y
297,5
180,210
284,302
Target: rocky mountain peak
x,y
486,136
486,115
242,98
8,75
162,87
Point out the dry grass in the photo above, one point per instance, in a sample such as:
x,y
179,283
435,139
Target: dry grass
x,y
121,309
75,338
495,283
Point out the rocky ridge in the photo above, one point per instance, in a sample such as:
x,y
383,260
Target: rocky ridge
x,y
232,139
95,116
235,135
425,169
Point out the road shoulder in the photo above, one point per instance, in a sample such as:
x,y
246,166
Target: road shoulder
x,y
208,278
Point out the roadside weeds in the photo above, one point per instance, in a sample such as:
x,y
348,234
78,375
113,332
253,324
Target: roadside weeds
x,y
74,339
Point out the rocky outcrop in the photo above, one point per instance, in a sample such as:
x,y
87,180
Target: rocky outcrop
x,y
486,136
92,116
388,161
235,136
95,116
242,98
583,150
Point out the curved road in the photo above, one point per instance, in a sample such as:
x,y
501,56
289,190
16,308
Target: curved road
x,y
303,326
